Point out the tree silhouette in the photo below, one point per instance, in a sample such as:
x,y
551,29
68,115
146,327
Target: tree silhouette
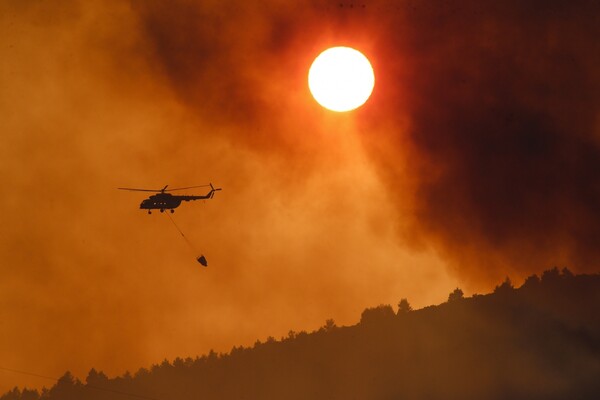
x,y
381,313
404,307
457,294
504,287
66,388
329,325
532,281
551,275
477,348
96,378
566,273
17,394
14,394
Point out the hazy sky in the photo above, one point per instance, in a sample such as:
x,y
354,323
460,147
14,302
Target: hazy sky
x,y
476,158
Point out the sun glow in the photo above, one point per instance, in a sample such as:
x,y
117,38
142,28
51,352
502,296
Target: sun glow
x,y
341,79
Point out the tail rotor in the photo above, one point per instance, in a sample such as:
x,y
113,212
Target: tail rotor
x,y
213,190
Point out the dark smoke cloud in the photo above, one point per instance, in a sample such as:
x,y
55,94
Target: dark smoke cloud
x,y
486,113
245,64
501,102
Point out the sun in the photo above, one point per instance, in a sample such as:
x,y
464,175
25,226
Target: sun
x,y
341,79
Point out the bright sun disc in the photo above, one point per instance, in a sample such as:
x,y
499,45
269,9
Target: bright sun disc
x,y
341,79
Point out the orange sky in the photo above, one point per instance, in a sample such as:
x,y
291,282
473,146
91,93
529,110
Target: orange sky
x,y
475,158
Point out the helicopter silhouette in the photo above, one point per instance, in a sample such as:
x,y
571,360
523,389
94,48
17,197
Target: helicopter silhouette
x,y
166,201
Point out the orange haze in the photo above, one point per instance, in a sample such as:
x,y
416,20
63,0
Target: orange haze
x,y
477,157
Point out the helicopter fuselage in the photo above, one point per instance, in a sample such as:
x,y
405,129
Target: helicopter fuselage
x,y
166,201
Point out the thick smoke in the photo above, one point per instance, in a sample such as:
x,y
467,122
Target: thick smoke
x,y
500,105
100,95
479,147
484,123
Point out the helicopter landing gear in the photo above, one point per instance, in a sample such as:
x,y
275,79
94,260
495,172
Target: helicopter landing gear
x,y
172,211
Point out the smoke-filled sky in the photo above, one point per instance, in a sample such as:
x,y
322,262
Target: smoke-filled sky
x,y
477,157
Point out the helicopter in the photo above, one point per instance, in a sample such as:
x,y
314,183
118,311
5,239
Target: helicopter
x,y
166,201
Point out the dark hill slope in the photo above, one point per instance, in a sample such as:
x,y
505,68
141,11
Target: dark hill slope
x,y
540,341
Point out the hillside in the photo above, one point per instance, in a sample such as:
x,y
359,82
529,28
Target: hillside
x,y
538,341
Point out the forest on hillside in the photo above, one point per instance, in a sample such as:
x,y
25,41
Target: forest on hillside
x,y
538,341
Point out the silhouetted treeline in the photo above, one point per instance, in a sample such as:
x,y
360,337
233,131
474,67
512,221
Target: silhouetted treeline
x,y
539,341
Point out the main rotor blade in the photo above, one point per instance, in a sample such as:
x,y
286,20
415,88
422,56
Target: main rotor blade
x,y
139,190
189,187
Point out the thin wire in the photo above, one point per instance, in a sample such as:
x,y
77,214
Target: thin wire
x,y
87,385
28,373
182,235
